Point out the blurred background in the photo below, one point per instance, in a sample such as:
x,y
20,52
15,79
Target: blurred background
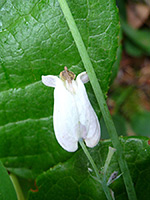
x,y
129,94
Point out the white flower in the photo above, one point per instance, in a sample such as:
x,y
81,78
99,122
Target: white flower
x,y
74,117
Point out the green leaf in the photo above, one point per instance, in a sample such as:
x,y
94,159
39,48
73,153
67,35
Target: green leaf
x,y
74,179
140,123
35,40
116,65
7,191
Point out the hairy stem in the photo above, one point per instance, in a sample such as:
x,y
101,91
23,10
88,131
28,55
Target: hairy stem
x,y
103,181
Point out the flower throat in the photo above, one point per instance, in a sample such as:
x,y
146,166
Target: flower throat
x,y
67,75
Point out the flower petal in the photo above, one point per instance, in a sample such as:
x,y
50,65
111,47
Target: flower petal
x,y
50,80
94,133
87,116
65,118
83,77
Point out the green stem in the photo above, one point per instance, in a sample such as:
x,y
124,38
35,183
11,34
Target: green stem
x,y
103,182
100,99
17,187
111,151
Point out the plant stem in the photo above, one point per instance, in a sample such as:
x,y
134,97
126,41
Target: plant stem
x,y
111,151
100,99
103,181
17,187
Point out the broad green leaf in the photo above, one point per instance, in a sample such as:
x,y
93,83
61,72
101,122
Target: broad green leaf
x,y
140,123
116,65
34,41
74,179
7,191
